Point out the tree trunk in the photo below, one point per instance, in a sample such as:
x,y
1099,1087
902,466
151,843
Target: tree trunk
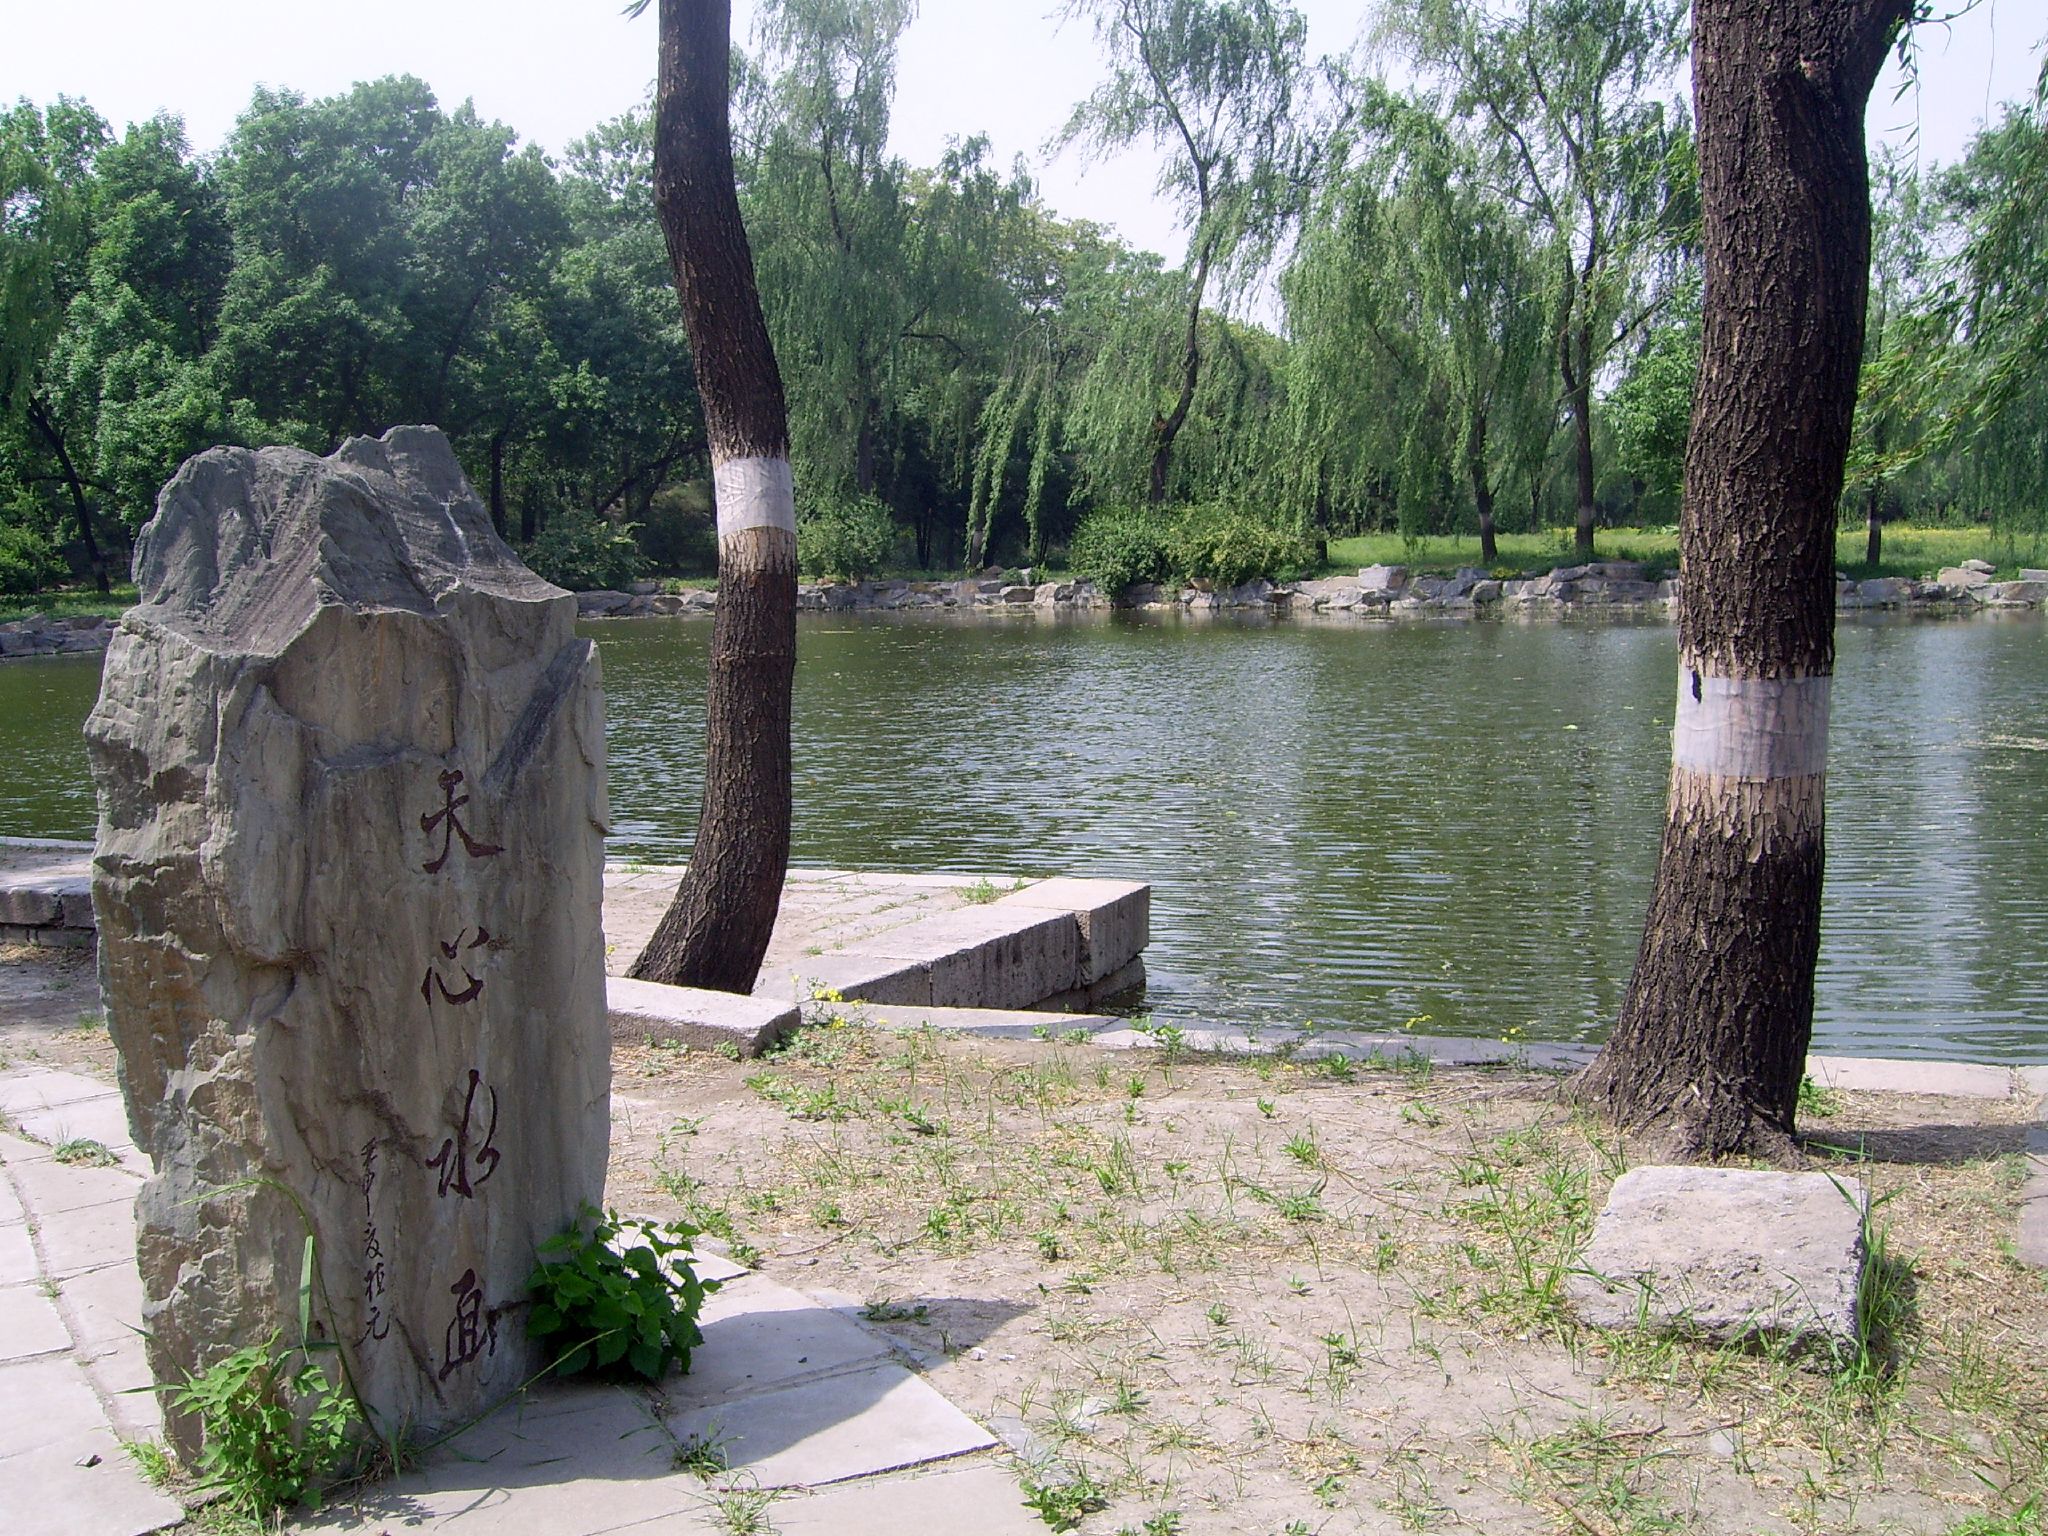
x,y
1873,523
1166,428
1582,442
1482,488
80,506
716,930
1711,1043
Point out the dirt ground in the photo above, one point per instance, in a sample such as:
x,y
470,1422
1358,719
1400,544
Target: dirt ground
x,y
1269,1297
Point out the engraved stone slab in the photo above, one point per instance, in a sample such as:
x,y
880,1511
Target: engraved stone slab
x,y
1727,1253
350,762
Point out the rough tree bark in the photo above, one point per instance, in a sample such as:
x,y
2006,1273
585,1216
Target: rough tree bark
x,y
716,930
1166,428
1711,1043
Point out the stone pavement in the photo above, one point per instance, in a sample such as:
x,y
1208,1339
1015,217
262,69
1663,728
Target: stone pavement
x,y
789,1404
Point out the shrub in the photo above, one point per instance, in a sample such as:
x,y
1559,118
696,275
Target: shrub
x,y
270,1435
585,553
613,1296
28,561
849,538
1230,547
1118,547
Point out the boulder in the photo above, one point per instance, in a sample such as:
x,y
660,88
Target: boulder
x,y
1383,578
603,605
1884,591
350,762
1962,575
1020,595
2030,574
1726,1254
1980,567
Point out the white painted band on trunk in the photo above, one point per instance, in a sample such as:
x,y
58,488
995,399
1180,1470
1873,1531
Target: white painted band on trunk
x,y
754,493
1751,727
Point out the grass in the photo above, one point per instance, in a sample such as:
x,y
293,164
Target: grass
x,y
69,603
1908,551
84,1152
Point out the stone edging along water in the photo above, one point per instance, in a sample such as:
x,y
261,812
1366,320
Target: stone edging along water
x,y
1616,587
1379,591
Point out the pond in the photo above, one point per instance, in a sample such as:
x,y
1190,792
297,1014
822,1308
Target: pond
x,y
1345,823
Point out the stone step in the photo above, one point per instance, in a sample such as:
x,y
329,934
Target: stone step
x,y
648,1012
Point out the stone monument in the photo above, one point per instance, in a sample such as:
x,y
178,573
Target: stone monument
x,y
350,761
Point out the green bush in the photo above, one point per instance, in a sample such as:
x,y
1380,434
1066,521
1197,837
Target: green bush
x,y
1118,547
611,1306
849,538
1230,547
585,553
270,1435
28,561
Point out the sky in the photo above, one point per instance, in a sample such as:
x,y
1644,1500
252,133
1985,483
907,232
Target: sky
x,y
552,69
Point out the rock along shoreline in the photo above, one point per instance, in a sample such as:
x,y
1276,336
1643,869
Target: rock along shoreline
x,y
1376,592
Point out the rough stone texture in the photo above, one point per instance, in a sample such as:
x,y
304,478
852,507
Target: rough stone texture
x,y
350,761
647,1010
1115,918
988,957
1382,578
1965,575
1727,1253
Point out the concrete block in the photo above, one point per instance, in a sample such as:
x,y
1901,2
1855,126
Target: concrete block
x,y
759,1335
988,1023
981,1497
22,1091
858,978
50,1189
45,1404
91,1238
104,1120
122,1376
104,1306
1114,916
17,1255
87,1484
29,1324
825,1431
647,1010
2031,1245
988,956
30,908
1943,1079
2034,1081
1726,1253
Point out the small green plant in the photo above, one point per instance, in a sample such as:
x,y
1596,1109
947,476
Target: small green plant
x,y
613,1296
1816,1101
1064,1505
1303,1149
273,1428
979,894
83,1152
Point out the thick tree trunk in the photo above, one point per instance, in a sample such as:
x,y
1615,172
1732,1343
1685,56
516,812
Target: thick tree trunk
x,y
81,507
1482,489
1711,1043
716,930
1873,525
1582,442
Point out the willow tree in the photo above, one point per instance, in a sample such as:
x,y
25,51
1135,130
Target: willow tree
x,y
1563,95
716,930
1213,84
1416,312
1712,1038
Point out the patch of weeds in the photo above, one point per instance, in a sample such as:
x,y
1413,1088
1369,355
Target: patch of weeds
x,y
1817,1101
1598,1476
1064,1503
702,1456
979,894
83,1152
152,1461
2028,1520
887,1311
705,1215
1266,1107
272,1432
1421,1113
1884,1301
741,1510
1303,1149
800,1102
1337,1067
612,1296
1117,1170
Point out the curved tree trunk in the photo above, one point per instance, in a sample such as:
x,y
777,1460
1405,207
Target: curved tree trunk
x,y
1712,1039
81,506
716,930
1166,428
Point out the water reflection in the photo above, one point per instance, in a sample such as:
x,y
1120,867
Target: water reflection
x,y
1346,823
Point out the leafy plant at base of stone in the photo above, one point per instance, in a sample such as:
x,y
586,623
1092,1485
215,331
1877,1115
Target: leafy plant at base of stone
x,y
615,1296
273,1435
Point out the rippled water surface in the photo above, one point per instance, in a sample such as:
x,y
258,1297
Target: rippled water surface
x,y
1346,823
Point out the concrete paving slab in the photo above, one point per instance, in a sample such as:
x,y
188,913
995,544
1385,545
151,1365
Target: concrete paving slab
x,y
530,1471
818,1432
11,1213
29,1323
759,1335
648,1011
17,1255
36,1088
981,1498
121,1374
102,1306
18,1151
2034,1080
857,978
1948,1079
2031,1245
45,1404
49,1492
49,1188
91,1238
104,1120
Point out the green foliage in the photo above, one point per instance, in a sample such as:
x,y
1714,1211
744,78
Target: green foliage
x,y
1118,547
271,1432
28,560
585,554
1064,1503
848,536
1228,546
617,1297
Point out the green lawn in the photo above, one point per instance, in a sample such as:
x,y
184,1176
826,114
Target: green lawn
x,y
1908,551
72,602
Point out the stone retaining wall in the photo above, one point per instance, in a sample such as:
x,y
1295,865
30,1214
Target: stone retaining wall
x,y
1378,591
40,635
